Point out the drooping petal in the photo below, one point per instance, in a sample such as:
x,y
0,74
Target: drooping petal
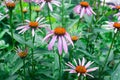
x,y
69,38
65,47
91,10
90,75
59,45
42,4
50,45
47,36
33,32
92,69
82,12
50,6
77,9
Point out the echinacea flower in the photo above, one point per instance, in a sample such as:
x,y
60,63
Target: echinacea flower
x,y
118,15
39,23
112,25
83,8
49,3
22,53
115,6
59,34
10,4
81,68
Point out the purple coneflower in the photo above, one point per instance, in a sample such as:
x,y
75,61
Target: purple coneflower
x,y
84,8
81,68
39,23
49,3
112,25
60,34
115,6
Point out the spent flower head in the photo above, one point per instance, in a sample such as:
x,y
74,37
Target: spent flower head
x,y
10,4
21,53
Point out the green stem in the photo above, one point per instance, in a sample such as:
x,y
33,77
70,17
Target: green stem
x,y
30,9
11,27
62,12
106,61
21,8
78,23
24,67
49,17
33,67
60,67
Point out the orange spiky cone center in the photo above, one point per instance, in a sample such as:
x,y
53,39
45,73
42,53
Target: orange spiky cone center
x,y
74,38
10,4
33,24
84,4
59,31
117,7
22,54
116,25
80,69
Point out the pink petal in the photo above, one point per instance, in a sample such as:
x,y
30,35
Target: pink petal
x,y
92,69
73,67
72,71
89,75
60,45
75,62
50,6
68,38
88,64
77,9
92,10
21,27
42,4
65,47
47,36
83,61
79,61
82,12
33,32
50,45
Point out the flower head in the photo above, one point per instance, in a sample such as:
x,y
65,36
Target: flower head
x,y
60,34
74,38
49,3
81,68
115,6
112,25
39,23
10,4
83,8
21,53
